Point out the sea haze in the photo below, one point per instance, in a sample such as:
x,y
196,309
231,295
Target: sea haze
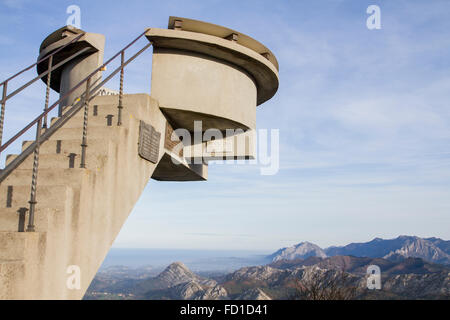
x,y
196,260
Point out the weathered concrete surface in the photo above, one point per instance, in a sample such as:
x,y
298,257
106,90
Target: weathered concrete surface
x,y
215,92
83,214
71,73
234,146
200,73
264,72
224,33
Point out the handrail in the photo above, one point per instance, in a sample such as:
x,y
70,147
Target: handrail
x,y
75,108
43,59
5,145
4,84
43,74
41,120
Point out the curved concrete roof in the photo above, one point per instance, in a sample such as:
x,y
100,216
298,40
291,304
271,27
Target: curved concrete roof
x,y
210,42
56,40
222,32
59,34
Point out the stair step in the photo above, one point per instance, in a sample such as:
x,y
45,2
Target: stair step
x,y
69,146
79,211
65,161
51,196
105,133
48,177
10,158
10,272
105,117
103,110
16,219
18,245
138,103
52,161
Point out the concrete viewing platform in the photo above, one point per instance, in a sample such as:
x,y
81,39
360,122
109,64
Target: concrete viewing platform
x,y
90,166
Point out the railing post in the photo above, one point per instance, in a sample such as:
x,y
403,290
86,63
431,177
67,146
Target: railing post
x,y
85,123
120,107
2,112
32,202
47,92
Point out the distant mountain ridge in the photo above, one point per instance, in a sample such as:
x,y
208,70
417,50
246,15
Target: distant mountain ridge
x,y
179,283
411,268
302,250
433,250
410,278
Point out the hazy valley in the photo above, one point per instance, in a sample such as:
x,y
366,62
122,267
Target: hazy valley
x,y
411,268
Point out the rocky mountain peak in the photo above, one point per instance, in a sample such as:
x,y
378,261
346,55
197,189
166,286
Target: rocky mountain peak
x,y
254,294
178,267
177,273
420,248
432,249
302,250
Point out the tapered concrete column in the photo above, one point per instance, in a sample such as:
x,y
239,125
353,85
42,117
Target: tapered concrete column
x,y
72,72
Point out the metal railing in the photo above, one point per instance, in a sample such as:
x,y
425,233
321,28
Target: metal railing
x,y
90,92
4,84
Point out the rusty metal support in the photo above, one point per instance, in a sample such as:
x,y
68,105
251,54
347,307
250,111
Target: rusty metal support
x,y
120,106
43,136
2,112
32,202
56,66
44,58
47,91
85,124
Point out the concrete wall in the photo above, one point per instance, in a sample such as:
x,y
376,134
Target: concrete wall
x,y
187,81
90,205
201,74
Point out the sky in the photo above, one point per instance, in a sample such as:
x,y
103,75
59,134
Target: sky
x,y
363,118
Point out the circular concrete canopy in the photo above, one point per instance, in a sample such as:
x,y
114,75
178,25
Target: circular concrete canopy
x,y
196,36
56,40
224,44
222,32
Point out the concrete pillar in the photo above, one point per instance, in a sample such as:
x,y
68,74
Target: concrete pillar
x,y
72,72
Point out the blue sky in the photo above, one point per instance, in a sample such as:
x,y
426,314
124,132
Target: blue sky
x,y
364,120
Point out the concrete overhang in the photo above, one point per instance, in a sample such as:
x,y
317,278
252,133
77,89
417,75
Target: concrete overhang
x,y
178,171
223,32
235,147
213,40
184,119
93,42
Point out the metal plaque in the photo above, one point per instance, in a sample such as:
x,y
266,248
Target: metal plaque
x,y
149,140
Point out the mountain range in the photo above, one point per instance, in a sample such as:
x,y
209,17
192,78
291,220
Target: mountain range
x,y
411,268
411,278
429,249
